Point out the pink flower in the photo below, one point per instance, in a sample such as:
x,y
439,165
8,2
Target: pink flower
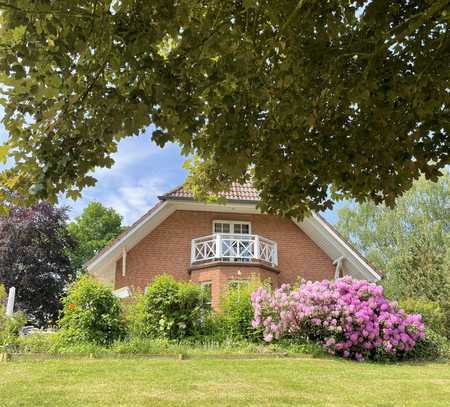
x,y
355,309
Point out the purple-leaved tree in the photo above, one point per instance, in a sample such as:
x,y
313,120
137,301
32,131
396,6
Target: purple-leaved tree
x,y
34,245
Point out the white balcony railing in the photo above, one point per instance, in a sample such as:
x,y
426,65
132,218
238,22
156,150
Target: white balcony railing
x,y
234,247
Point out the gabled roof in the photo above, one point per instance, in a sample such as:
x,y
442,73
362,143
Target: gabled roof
x,y
239,199
237,193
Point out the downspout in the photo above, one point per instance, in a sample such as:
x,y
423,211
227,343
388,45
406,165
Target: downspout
x,y
124,262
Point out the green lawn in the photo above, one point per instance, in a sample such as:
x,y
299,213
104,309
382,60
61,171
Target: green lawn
x,y
257,382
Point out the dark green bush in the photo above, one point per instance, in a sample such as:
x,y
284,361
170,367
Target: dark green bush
x,y
169,309
91,313
445,306
432,347
433,314
234,319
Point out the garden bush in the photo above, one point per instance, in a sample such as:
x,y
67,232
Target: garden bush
x,y
445,305
350,318
432,347
91,313
169,309
9,325
234,320
433,315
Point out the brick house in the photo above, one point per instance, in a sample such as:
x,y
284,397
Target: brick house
x,y
218,244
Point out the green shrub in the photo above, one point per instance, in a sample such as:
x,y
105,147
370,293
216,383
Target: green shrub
x,y
236,312
169,309
433,314
134,314
432,347
445,306
91,313
9,326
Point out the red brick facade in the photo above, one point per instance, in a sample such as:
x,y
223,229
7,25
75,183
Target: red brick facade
x,y
167,249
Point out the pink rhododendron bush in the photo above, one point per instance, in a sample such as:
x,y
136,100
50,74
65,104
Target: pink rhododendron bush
x,y
351,318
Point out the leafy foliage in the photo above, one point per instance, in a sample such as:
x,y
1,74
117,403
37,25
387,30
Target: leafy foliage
x,y
33,258
421,272
409,243
169,309
91,313
432,347
236,312
9,326
434,314
306,93
93,230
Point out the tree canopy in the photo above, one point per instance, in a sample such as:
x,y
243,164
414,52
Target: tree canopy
x,y
93,230
411,243
299,95
33,258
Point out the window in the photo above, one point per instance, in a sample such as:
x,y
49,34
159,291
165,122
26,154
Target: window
x,y
226,226
207,291
243,228
237,284
220,227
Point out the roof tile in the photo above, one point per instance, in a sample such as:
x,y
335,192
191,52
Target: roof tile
x,y
237,192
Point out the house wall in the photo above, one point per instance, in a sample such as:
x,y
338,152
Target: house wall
x,y
219,275
167,249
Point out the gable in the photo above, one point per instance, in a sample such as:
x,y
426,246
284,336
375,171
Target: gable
x,y
317,229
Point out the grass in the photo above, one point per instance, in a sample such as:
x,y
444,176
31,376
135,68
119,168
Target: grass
x,y
220,382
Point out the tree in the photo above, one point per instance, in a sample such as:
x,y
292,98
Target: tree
x,y
305,94
421,271
410,243
33,258
93,230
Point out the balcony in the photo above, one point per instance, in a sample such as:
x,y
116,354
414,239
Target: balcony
x,y
231,247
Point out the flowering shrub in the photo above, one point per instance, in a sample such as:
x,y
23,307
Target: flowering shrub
x,y
351,318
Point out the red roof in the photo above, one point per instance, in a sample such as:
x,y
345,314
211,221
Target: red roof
x,y
238,192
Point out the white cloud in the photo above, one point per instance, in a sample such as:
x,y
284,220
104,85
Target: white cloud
x,y
133,200
131,197
141,172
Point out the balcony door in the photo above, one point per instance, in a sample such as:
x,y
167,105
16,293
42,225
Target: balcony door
x,y
226,226
235,245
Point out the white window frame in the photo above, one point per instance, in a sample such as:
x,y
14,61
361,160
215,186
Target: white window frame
x,y
232,222
123,292
207,283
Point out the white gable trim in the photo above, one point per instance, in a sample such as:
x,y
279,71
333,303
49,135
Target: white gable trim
x,y
318,230
335,247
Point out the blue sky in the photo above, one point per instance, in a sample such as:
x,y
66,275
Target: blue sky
x,y
141,172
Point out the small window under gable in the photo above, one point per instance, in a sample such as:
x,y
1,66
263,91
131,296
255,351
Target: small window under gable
x,y
228,226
